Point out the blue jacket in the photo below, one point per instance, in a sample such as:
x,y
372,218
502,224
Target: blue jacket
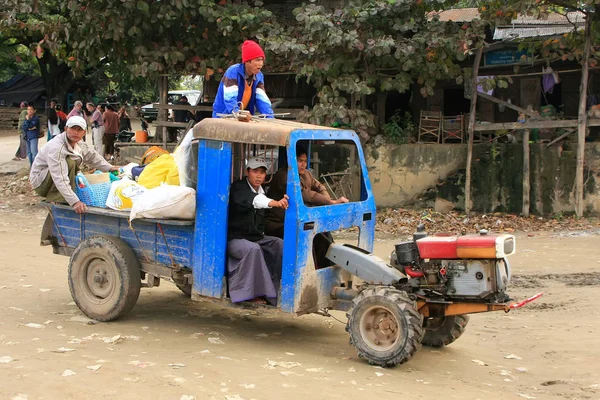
x,y
31,127
231,90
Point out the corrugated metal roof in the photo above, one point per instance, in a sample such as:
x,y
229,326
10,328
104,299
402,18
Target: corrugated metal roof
x,y
505,32
524,26
550,25
575,17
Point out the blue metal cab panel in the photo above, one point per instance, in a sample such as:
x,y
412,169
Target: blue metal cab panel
x,y
212,201
304,289
164,242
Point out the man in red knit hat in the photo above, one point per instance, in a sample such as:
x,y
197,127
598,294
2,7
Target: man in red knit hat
x,y
243,85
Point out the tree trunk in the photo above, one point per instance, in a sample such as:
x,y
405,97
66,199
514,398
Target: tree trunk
x,y
381,100
58,78
526,186
582,118
470,130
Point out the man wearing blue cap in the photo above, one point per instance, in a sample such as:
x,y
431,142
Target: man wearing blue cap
x,y
53,171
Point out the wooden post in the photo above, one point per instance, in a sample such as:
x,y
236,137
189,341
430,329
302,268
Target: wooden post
x,y
163,93
470,129
582,118
526,188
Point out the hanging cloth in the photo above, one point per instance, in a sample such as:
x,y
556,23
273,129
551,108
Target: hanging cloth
x,y
549,79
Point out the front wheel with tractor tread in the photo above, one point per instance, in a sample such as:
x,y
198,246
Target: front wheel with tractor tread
x,y
104,277
442,331
385,326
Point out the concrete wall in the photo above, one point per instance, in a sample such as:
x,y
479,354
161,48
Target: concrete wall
x,y
418,174
401,173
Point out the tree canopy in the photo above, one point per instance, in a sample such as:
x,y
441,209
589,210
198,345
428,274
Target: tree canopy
x,y
349,50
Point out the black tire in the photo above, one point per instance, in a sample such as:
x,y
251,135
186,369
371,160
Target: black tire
x,y
440,332
104,277
185,289
385,326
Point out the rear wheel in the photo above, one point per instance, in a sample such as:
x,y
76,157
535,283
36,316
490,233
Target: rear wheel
x,y
442,331
385,326
104,277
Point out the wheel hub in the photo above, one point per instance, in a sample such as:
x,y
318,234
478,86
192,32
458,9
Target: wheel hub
x,y
379,328
100,280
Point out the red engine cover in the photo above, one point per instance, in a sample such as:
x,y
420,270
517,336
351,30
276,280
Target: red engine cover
x,y
486,241
440,247
453,247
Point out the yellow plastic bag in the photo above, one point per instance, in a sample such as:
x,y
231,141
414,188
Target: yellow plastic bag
x,y
163,169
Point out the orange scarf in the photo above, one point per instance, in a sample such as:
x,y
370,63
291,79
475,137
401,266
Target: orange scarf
x,y
247,94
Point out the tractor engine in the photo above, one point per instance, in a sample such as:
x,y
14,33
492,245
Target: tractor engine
x,y
468,267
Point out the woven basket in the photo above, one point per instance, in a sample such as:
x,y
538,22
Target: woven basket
x,y
94,195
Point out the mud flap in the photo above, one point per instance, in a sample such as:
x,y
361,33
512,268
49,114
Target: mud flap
x,y
46,238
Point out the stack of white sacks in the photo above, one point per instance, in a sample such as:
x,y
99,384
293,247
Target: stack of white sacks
x,y
166,201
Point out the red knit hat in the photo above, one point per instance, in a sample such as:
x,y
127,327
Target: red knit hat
x,y
251,50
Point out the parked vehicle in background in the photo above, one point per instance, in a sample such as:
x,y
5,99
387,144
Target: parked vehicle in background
x,y
149,113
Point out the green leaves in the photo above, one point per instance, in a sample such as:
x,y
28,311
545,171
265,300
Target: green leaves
x,y
143,6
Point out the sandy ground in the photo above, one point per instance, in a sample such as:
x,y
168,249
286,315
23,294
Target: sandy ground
x,y
170,347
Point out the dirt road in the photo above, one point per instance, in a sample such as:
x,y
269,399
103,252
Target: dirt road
x,y
169,347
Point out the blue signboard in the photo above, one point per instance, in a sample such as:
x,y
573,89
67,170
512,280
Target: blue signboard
x,y
506,57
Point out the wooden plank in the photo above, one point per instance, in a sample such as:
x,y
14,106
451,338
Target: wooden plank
x,y
127,144
159,106
170,124
526,183
559,123
564,135
291,111
471,130
529,113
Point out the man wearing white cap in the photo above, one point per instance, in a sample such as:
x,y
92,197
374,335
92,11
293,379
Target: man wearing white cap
x,y
53,172
253,259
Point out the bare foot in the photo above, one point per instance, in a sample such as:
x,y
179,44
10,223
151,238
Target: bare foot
x,y
257,300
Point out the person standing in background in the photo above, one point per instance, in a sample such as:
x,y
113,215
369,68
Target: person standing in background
x,y
31,130
97,124
62,118
124,120
21,153
50,132
111,130
77,110
53,128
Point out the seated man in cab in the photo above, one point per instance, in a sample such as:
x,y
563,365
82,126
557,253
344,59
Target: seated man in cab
x,y
53,172
253,259
314,193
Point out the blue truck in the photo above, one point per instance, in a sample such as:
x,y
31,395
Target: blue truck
x,y
393,307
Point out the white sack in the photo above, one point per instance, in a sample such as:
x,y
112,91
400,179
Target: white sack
x,y
183,160
123,194
165,202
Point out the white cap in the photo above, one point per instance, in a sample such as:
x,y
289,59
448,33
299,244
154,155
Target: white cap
x,y
77,121
256,162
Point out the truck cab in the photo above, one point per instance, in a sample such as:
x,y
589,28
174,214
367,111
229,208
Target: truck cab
x,y
337,158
